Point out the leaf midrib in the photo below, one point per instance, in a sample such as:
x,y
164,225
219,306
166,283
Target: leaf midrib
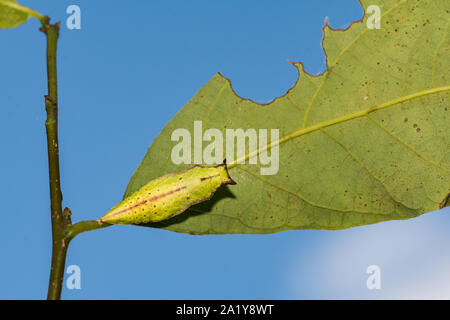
x,y
302,131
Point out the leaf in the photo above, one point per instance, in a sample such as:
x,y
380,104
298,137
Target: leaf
x,y
364,142
12,14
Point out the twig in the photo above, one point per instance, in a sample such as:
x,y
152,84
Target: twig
x,y
59,223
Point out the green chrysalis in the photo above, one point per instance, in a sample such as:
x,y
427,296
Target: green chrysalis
x,y
169,195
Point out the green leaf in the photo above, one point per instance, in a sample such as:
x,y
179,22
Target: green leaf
x,y
13,14
364,142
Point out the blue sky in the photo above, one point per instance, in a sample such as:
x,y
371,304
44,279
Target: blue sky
x,y
122,77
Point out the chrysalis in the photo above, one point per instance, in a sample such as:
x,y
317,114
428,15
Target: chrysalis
x,y
169,195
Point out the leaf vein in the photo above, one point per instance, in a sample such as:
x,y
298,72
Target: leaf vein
x,y
406,145
359,36
299,196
